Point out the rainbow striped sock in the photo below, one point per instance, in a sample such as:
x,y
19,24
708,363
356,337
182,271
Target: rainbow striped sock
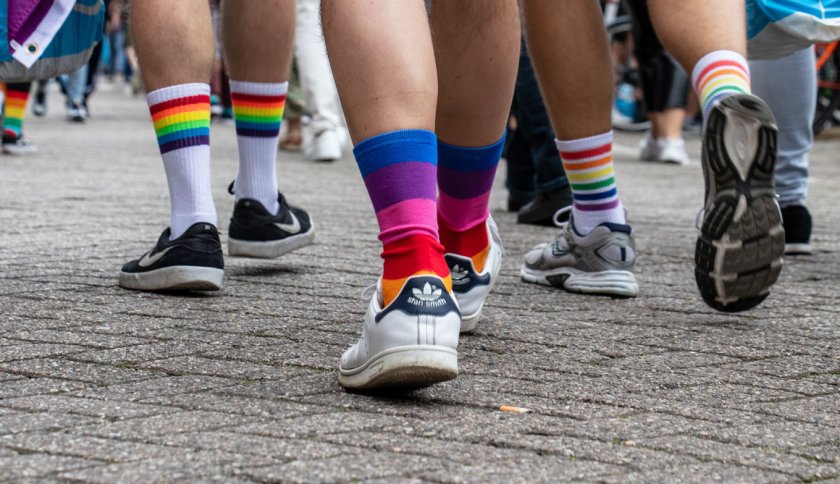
x,y
181,116
14,112
588,163
718,75
399,169
258,111
465,177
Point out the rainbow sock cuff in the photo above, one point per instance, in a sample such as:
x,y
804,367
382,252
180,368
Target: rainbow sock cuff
x,y
15,110
718,75
399,169
259,115
465,178
181,122
590,170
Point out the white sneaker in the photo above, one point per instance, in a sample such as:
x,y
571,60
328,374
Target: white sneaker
x,y
410,343
649,149
673,151
471,288
324,146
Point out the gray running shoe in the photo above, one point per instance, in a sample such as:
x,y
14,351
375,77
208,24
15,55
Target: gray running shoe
x,y
598,263
742,242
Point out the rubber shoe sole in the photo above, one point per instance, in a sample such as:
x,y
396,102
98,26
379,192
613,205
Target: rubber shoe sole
x,y
403,367
271,249
739,252
175,278
607,283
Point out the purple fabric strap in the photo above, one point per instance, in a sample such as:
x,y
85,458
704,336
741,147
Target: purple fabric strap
x,y
25,16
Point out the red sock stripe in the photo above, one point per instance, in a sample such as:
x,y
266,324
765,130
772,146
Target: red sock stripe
x,y
256,98
582,155
466,243
178,102
413,254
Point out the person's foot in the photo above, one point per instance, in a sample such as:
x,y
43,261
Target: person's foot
x,y
410,343
797,223
739,252
18,145
292,139
471,288
254,232
515,204
541,210
649,149
600,262
76,113
192,262
39,104
673,151
324,146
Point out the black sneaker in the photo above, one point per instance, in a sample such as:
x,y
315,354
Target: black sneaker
x,y
254,232
739,252
541,210
193,261
39,106
18,145
797,222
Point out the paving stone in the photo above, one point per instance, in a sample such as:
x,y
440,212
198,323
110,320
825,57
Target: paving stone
x,y
156,425
171,385
702,473
38,465
25,422
39,386
62,404
78,371
83,446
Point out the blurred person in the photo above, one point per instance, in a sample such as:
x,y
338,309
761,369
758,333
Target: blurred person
x,y
664,86
788,86
324,134
174,43
15,96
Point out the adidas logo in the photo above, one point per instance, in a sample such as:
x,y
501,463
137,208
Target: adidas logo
x,y
459,275
430,296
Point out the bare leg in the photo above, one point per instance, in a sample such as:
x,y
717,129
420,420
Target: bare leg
x,y
258,36
568,45
690,29
668,123
384,65
477,52
173,40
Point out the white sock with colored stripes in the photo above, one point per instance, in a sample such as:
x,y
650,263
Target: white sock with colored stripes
x,y
589,167
718,75
181,116
258,111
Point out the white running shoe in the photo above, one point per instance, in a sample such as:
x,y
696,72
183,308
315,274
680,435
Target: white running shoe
x,y
649,149
600,262
470,287
673,151
410,343
324,146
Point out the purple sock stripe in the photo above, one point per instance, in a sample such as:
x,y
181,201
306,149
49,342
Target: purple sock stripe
x,y
600,207
462,185
400,182
184,143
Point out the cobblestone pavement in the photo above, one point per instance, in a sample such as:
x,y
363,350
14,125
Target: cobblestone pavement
x,y
103,384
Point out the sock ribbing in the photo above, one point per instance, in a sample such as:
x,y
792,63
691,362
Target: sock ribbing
x,y
258,113
718,75
14,112
589,166
181,117
399,170
465,178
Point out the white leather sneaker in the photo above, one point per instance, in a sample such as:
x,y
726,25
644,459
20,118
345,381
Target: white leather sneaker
x,y
412,342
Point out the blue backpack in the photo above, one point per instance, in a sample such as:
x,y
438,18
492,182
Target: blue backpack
x,y
40,39
777,28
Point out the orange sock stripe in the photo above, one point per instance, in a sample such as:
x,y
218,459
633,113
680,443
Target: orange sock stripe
x,y
391,287
480,260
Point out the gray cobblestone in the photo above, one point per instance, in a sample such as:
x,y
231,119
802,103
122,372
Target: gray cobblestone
x,y
100,384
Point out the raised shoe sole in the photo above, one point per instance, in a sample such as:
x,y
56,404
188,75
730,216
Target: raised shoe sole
x,y
739,253
174,278
403,367
607,283
270,249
